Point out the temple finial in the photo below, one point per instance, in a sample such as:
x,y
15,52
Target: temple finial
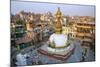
x,y
58,13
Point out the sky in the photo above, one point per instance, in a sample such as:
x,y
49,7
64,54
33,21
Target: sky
x,y
66,9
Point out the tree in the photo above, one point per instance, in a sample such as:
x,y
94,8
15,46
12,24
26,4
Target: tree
x,y
19,21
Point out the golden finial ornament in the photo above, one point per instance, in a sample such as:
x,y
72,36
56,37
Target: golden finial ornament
x,y
58,13
58,25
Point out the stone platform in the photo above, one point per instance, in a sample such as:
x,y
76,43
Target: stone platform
x,y
57,53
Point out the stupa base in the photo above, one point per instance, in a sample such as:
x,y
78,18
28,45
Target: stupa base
x,y
60,54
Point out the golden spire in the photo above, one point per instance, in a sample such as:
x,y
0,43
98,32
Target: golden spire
x,y
58,25
58,13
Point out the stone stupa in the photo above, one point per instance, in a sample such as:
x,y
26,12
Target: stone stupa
x,y
58,46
